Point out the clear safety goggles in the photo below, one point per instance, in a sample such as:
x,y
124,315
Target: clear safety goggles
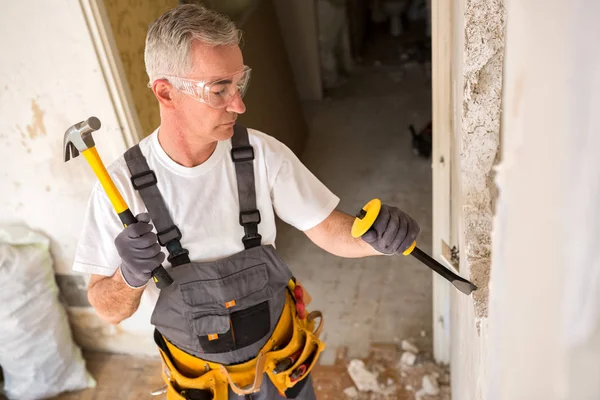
x,y
217,93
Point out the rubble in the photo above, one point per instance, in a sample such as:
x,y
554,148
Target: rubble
x,y
351,392
365,381
430,385
408,346
383,376
408,358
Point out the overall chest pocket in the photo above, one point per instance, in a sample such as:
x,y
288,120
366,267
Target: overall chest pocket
x,y
230,312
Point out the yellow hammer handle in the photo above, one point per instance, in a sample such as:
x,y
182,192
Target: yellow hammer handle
x,y
366,218
92,157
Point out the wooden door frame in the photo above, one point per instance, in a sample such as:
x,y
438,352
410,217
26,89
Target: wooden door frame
x,y
445,161
112,69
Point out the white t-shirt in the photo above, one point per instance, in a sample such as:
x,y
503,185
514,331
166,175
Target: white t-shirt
x,y
203,203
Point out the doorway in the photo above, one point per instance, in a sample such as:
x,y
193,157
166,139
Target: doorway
x,y
370,136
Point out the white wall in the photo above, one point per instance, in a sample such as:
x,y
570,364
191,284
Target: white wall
x,y
545,293
51,78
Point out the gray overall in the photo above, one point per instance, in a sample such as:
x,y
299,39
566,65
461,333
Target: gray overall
x,y
197,307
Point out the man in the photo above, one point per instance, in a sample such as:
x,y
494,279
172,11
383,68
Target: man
x,y
212,196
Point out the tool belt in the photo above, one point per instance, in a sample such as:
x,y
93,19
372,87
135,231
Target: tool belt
x,y
287,358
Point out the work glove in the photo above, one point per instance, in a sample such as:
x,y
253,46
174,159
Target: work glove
x,y
139,250
393,231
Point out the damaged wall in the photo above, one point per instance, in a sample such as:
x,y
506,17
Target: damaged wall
x,y
479,51
52,80
40,100
480,136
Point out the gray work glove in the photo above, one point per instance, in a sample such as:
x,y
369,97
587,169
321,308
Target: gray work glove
x,y
139,250
393,231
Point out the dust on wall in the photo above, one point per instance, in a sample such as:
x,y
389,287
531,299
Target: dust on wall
x,y
484,24
129,20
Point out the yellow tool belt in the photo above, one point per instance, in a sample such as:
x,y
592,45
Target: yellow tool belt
x,y
294,344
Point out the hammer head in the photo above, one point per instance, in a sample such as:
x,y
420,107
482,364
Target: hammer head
x,y
79,137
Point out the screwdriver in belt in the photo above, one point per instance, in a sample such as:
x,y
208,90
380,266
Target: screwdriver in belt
x,y
365,219
286,363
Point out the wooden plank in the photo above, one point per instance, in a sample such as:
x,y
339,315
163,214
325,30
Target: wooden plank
x,y
443,133
119,377
112,69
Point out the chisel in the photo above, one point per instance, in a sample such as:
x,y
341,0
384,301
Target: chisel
x,y
365,219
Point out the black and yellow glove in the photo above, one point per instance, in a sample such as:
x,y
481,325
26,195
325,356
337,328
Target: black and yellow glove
x,y
393,231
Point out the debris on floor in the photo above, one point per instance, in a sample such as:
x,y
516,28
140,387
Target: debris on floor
x,y
365,381
408,358
408,346
430,386
388,373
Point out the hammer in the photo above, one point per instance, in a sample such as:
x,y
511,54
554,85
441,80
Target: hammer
x,y
78,139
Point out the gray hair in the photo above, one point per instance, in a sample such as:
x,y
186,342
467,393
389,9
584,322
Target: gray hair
x,y
169,38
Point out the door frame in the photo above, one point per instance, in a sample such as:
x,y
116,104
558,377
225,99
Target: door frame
x,y
445,165
112,69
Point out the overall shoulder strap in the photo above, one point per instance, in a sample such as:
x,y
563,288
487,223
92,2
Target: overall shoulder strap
x,y
144,180
242,155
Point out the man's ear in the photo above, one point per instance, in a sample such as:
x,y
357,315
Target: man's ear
x,y
164,92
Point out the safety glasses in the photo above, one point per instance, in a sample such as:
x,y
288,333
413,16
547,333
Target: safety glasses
x,y
217,93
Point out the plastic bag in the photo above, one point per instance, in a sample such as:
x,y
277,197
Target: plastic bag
x,y
37,354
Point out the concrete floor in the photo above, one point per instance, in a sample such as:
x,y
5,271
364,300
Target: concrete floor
x,y
360,147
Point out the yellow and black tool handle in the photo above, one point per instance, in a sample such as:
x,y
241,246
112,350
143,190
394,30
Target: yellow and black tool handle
x,y
366,218
161,277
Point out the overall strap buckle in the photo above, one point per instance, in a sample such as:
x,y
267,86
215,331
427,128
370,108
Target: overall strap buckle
x,y
170,238
252,240
143,180
242,153
250,220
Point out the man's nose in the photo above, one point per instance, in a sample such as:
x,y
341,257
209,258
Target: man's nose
x,y
237,104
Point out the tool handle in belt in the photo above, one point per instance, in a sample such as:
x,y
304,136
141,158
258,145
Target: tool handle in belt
x,y
161,277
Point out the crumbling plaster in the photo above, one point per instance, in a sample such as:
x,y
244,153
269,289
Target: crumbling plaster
x,y
484,27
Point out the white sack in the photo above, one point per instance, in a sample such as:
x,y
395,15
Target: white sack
x,y
37,354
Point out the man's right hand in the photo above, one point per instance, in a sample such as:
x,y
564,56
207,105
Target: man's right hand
x,y
139,250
